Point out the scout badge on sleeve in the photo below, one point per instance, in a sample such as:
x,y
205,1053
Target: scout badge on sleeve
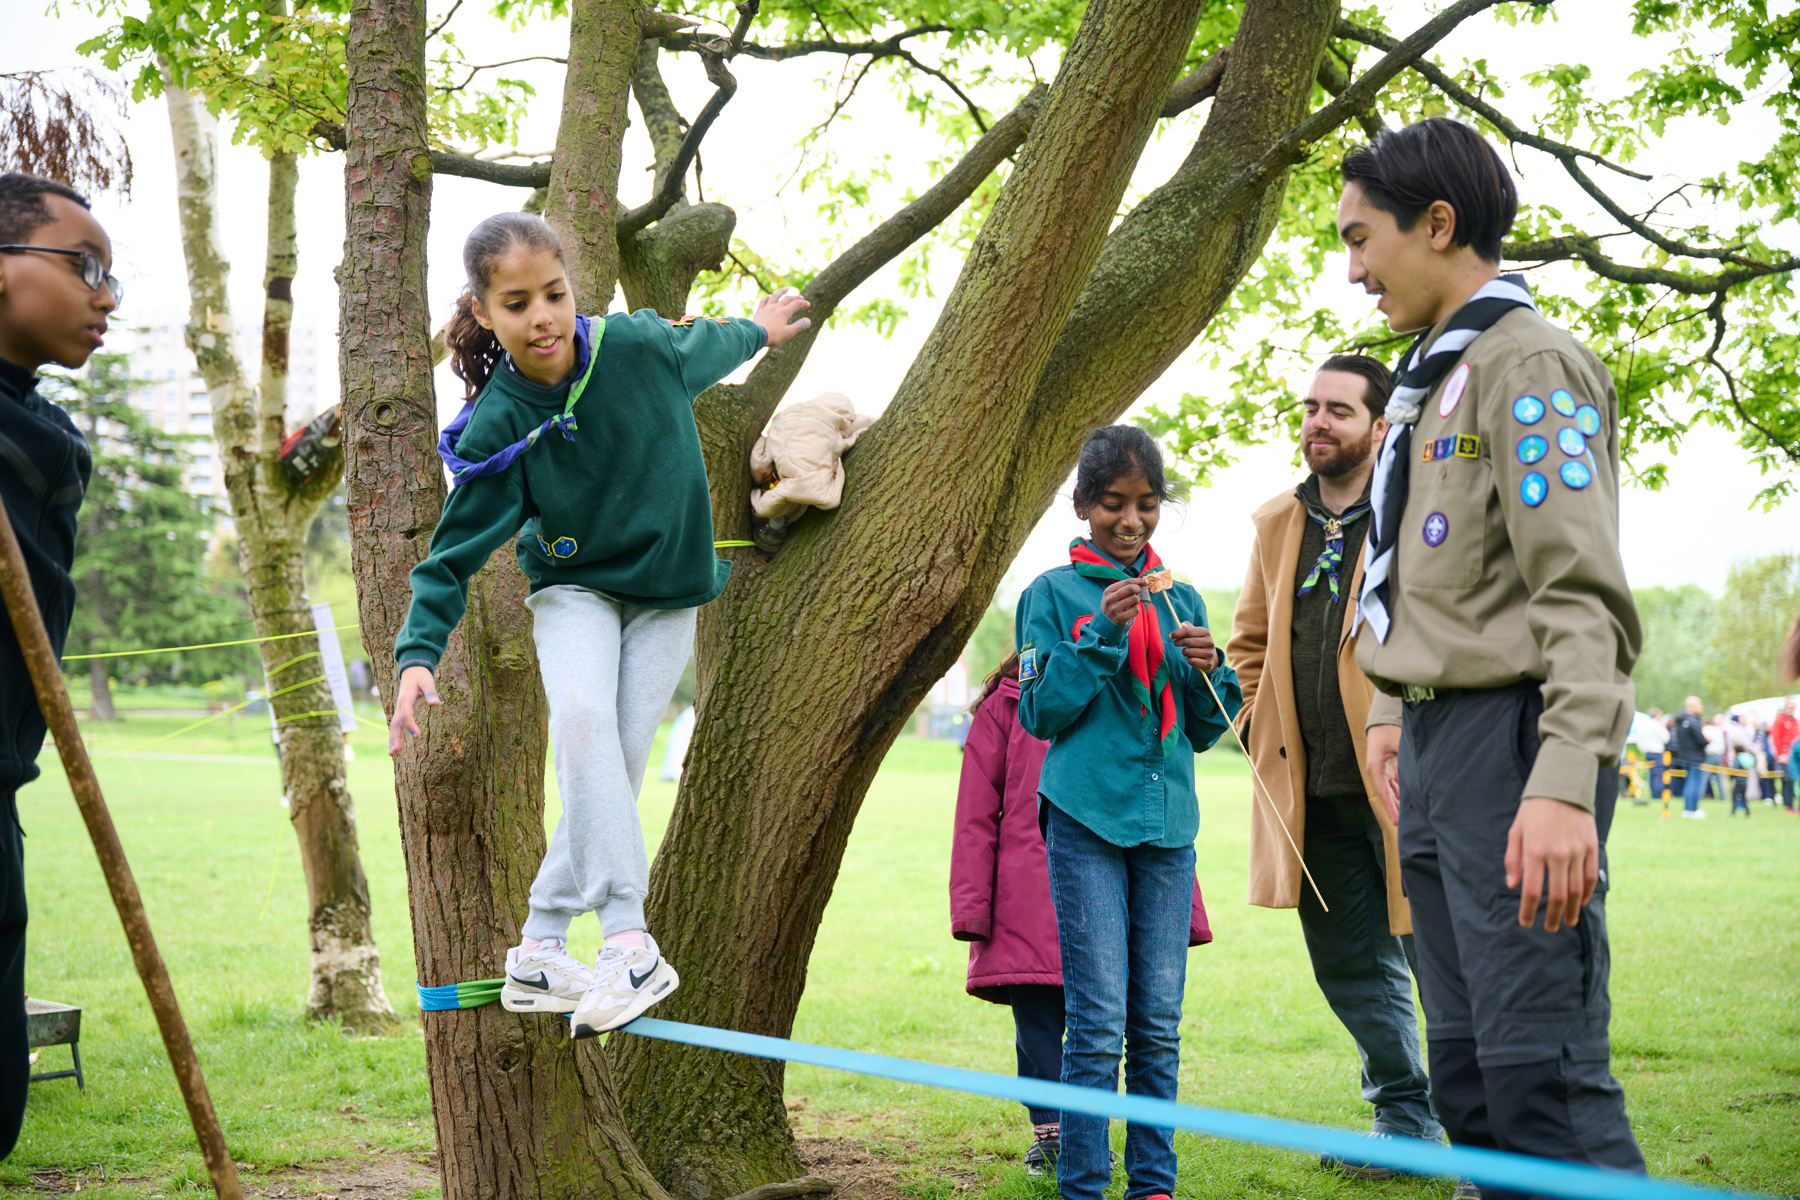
x,y
1028,664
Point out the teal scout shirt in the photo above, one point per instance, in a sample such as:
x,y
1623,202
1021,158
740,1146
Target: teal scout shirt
x,y
622,508
1105,766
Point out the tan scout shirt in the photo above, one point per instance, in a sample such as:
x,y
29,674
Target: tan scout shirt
x,y
1507,565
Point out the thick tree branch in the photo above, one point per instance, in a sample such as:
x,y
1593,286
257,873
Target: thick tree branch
x,y
884,48
1202,83
1360,95
1334,77
715,57
769,379
1586,249
530,175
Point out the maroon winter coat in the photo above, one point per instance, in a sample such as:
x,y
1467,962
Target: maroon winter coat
x,y
999,884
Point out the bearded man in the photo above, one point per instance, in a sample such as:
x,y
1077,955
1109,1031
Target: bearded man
x,y
1307,702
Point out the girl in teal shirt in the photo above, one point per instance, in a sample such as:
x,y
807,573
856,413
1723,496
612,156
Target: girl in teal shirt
x,y
579,440
1120,697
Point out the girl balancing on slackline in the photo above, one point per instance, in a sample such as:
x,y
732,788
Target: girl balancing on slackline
x,y
579,438
1123,704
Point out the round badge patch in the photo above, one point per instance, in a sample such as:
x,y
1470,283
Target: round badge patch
x,y
1562,402
1532,448
1570,441
1576,475
1528,410
1533,488
1437,528
1587,419
1453,391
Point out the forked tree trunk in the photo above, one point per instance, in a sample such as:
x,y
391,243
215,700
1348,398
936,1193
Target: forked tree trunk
x,y
272,516
810,665
520,1111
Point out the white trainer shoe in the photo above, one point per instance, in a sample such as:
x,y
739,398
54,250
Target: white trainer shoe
x,y
626,982
549,979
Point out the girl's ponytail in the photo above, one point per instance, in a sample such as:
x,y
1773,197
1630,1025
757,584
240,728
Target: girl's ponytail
x,y
474,350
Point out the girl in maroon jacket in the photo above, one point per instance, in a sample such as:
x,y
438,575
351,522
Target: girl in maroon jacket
x,y
1000,893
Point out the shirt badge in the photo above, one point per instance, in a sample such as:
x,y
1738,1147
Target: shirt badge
x,y
1576,475
1562,402
1532,448
1587,419
562,547
1570,441
1437,528
1028,665
1533,488
1528,410
1453,391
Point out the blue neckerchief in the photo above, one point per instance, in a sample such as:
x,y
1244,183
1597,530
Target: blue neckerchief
x,y
588,332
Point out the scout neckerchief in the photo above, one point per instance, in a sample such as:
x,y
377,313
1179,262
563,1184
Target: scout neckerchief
x,y
1332,559
1418,374
588,332
1144,646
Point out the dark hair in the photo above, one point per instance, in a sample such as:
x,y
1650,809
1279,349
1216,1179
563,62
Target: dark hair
x,y
1006,670
1113,451
1407,170
474,350
22,207
1378,381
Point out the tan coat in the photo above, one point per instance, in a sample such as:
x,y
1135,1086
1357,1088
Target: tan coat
x,y
1259,650
798,461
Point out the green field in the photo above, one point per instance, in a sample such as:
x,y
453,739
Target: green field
x,y
1706,987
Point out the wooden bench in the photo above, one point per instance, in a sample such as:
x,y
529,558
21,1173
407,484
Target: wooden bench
x,y
50,1024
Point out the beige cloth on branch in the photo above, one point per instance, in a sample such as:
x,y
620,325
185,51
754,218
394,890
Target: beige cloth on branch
x,y
798,462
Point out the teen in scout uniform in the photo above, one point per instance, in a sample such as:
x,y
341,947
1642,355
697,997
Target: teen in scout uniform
x,y
1308,703
581,431
1502,631
1121,700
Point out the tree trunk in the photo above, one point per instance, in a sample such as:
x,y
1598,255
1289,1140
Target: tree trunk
x,y
100,685
520,1111
776,775
582,203
272,515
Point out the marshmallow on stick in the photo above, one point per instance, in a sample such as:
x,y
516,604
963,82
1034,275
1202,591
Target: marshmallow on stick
x,y
1159,580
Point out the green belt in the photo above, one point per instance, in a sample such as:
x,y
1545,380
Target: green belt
x,y
1414,693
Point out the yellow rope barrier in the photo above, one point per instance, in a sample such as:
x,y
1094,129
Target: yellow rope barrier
x,y
206,645
214,717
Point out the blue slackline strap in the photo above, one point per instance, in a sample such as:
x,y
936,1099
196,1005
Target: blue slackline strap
x,y
1491,1168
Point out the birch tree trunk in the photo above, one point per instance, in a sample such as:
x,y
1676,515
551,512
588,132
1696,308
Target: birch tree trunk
x,y
520,1111
272,515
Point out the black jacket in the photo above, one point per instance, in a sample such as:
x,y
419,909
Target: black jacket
x,y
44,470
1689,741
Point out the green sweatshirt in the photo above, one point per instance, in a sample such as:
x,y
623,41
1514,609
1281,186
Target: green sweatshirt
x,y
621,508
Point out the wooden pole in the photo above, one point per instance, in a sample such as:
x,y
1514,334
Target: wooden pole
x,y
1260,789
53,699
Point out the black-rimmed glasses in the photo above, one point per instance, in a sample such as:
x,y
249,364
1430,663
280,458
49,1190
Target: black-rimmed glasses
x,y
93,271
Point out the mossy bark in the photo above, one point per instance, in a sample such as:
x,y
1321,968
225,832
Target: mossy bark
x,y
519,1111
272,514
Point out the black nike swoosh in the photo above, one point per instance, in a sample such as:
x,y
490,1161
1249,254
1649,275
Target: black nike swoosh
x,y
542,981
637,981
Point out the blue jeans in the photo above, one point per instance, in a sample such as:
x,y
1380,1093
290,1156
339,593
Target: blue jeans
x,y
1365,971
1122,921
1693,785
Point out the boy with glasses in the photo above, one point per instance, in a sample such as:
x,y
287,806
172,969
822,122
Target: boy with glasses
x,y
56,291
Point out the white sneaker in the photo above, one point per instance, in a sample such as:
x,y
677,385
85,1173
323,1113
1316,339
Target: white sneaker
x,y
549,979
626,982
1697,815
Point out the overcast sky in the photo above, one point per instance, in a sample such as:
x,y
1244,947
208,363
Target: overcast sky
x,y
1689,533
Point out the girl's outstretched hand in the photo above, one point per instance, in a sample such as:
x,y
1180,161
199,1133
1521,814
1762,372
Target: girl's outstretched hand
x,y
775,313
415,682
1196,644
1119,602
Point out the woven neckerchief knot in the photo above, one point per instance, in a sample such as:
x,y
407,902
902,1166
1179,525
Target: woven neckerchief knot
x,y
1419,373
1144,644
1331,560
588,332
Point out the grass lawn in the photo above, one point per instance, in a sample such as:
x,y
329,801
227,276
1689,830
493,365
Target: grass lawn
x,y
1706,989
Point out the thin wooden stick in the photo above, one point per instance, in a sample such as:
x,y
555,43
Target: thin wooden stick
x,y
1265,795
53,698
